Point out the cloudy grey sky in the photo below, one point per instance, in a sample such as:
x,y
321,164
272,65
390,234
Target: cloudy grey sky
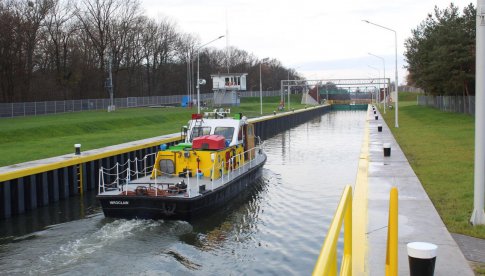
x,y
320,39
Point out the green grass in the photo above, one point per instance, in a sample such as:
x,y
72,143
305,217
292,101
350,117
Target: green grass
x,y
36,137
479,268
440,148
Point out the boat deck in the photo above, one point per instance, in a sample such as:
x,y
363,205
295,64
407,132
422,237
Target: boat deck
x,y
169,186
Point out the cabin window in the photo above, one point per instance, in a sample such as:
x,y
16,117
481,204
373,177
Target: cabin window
x,y
227,132
200,131
250,130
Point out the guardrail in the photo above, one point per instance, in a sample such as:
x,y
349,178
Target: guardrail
x,y
327,260
392,229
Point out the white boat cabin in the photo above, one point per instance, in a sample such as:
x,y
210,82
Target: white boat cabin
x,y
231,129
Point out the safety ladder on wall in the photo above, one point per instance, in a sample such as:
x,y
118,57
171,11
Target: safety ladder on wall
x,y
79,174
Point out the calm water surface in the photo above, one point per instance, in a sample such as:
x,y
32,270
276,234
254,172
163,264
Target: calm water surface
x,y
276,229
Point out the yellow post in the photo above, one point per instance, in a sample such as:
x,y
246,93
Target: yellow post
x,y
346,266
392,235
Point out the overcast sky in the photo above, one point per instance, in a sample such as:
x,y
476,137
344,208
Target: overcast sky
x,y
320,39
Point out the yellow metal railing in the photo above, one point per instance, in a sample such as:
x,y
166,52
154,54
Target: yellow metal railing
x,y
327,260
391,249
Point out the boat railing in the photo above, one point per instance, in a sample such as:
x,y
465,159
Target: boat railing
x,y
116,177
234,171
122,173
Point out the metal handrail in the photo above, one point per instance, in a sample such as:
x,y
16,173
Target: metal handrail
x,y
327,260
392,237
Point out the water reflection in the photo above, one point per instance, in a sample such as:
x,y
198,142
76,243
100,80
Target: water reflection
x,y
34,220
234,221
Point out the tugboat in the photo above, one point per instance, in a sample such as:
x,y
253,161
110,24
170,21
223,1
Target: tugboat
x,y
217,160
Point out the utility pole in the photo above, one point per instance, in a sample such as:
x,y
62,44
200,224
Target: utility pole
x,y
478,215
109,86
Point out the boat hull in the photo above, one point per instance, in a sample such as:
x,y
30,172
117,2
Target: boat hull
x,y
177,208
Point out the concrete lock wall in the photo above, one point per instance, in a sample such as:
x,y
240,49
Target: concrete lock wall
x,y
35,186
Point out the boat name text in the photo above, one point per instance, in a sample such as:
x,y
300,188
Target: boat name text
x,y
118,202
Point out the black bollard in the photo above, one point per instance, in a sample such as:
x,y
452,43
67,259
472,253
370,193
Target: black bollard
x,y
77,148
379,127
422,258
377,117
375,112
387,149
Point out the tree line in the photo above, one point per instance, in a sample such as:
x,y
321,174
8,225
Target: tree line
x,y
441,52
61,50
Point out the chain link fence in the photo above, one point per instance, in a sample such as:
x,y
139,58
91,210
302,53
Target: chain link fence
x,y
52,107
458,104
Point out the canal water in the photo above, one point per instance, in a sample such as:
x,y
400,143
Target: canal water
x,y
276,229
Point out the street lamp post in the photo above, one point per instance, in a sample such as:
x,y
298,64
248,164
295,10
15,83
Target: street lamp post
x,y
261,85
198,78
260,89
384,77
396,80
289,89
478,214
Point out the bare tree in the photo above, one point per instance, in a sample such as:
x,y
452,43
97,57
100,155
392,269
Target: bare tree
x,y
10,48
96,17
61,26
33,15
57,49
123,25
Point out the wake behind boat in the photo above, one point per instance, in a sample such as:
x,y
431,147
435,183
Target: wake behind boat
x,y
217,161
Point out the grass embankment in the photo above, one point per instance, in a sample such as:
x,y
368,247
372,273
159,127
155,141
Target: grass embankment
x,y
440,148
36,137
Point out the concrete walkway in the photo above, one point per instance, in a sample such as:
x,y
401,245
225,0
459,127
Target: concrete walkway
x,y
418,219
